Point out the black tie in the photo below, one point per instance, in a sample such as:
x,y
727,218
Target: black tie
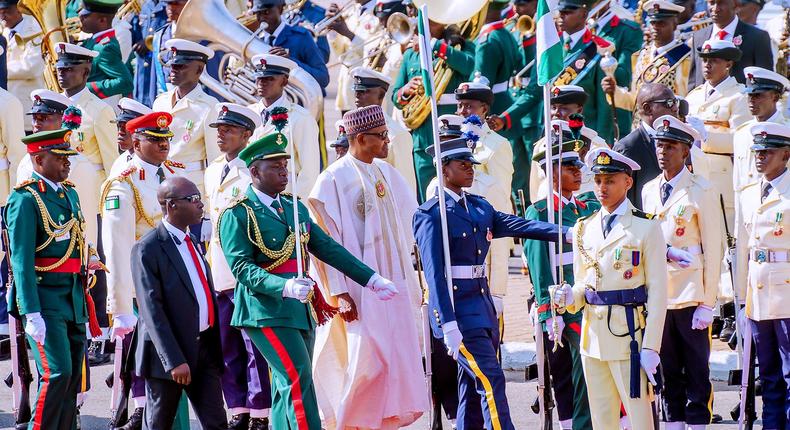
x,y
608,222
265,115
270,40
462,202
666,190
767,187
225,172
160,174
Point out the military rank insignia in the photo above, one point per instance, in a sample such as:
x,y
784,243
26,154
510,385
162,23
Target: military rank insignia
x,y
112,203
381,190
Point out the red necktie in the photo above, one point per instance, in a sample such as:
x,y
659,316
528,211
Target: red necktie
x,y
722,35
203,280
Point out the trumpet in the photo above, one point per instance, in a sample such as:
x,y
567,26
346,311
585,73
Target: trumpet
x,y
525,25
400,29
129,9
321,28
695,25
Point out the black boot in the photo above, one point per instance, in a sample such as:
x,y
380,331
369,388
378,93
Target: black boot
x,y
259,424
239,422
96,354
135,421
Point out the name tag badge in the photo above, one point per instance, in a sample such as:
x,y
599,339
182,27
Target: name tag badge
x,y
66,236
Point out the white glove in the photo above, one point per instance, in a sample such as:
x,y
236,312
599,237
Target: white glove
x,y
650,361
383,287
560,326
35,327
563,294
122,325
533,315
499,305
452,339
205,230
683,258
298,288
703,317
569,235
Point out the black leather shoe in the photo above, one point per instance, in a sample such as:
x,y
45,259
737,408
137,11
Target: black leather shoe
x,y
5,347
259,424
96,354
239,422
135,421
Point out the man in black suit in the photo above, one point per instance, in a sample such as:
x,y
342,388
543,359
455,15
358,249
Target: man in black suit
x,y
755,44
652,101
178,346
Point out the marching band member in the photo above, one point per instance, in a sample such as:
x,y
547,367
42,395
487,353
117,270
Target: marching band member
x,y
370,88
130,209
309,15
271,77
722,106
619,272
565,366
764,266
683,203
467,323
667,60
11,132
245,382
128,110
459,57
152,17
194,141
764,89
293,42
366,206
350,32
161,54
110,77
273,306
24,62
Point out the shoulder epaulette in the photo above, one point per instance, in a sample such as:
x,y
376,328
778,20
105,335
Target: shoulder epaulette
x,y
641,214
584,218
25,183
128,171
428,204
68,184
171,163
236,200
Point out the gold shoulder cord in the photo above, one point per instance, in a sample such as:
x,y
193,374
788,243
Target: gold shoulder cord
x,y
138,201
54,230
254,235
588,260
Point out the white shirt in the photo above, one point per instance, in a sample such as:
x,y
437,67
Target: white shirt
x,y
708,87
730,29
267,200
649,129
672,182
148,168
197,285
236,162
53,185
455,196
574,37
277,31
620,211
774,183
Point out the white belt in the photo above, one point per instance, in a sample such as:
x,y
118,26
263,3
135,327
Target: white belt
x,y
195,166
83,159
4,164
565,258
469,272
500,87
693,250
763,255
447,99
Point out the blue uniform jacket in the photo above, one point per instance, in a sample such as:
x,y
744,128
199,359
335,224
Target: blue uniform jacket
x,y
313,13
302,49
152,17
3,64
470,234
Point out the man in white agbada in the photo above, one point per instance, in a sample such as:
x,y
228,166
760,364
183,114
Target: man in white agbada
x,y
367,364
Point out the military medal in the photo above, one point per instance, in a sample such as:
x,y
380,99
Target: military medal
x,y
635,258
618,252
235,191
188,136
628,274
489,235
778,229
381,191
680,222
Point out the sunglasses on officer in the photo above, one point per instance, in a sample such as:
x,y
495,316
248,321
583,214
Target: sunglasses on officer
x,y
670,103
192,198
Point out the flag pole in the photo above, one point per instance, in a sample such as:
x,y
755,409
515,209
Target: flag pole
x,y
426,62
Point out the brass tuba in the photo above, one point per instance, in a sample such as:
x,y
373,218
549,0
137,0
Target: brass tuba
x,y
51,16
470,17
210,20
782,57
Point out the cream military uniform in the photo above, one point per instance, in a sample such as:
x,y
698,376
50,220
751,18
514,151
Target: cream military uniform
x,y
684,226
130,209
120,164
302,130
220,193
630,259
722,112
11,148
400,151
24,61
193,142
361,21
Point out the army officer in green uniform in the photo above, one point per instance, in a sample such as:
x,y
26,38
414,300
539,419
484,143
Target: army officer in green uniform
x,y
565,363
45,230
273,306
458,54
110,76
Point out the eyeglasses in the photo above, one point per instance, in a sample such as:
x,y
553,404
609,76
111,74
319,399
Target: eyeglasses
x,y
383,135
193,198
669,103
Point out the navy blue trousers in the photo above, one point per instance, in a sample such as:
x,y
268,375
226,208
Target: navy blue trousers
x,y
772,340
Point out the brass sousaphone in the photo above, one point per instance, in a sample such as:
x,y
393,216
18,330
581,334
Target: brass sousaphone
x,y
470,17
